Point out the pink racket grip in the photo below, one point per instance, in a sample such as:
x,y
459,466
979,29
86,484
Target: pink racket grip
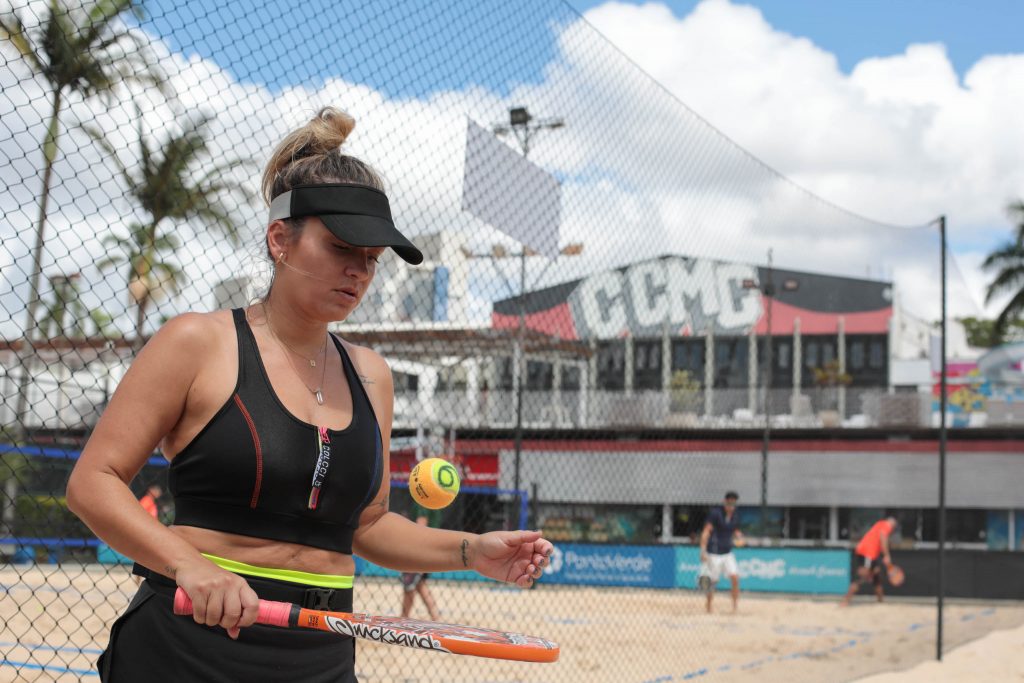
x,y
271,613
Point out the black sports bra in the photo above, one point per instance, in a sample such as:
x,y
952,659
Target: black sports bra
x,y
257,470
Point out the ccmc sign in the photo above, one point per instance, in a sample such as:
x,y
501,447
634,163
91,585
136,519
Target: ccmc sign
x,y
684,293
786,570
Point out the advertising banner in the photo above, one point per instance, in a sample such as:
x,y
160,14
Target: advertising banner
x,y
786,570
611,565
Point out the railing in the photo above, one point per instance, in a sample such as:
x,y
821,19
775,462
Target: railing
x,y
853,408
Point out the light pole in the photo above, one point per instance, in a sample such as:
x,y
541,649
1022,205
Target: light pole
x,y
524,127
767,288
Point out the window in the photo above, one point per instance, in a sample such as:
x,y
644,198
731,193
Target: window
x,y
811,353
731,362
768,525
405,382
539,375
856,354
828,351
647,364
854,522
807,523
600,523
876,355
611,365
688,521
962,526
783,355
688,354
571,378
505,374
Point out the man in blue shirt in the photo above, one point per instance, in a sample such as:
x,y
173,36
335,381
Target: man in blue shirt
x,y
721,533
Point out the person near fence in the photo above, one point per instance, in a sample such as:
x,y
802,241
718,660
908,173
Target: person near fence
x,y
871,553
415,583
277,433
721,532
149,499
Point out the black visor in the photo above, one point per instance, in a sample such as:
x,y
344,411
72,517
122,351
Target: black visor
x,y
356,214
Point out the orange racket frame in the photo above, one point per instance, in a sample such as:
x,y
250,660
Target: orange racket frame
x,y
424,635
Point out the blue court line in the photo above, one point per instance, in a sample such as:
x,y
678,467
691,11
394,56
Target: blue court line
x,y
82,650
47,667
853,642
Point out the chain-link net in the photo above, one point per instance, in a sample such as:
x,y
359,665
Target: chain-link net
x,y
621,316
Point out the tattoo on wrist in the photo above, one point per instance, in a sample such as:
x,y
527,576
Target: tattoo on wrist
x,y
171,571
465,553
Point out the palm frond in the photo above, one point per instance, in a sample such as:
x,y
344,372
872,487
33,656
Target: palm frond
x,y
1007,253
13,30
1008,279
1013,311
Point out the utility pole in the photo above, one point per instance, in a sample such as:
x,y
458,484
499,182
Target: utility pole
x,y
942,447
524,127
768,288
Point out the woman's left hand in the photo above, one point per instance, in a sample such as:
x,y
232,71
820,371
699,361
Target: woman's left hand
x,y
517,557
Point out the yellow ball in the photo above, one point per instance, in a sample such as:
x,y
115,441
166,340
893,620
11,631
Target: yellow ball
x,y
434,483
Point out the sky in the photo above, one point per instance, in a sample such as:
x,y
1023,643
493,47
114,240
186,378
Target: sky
x,y
894,111
854,30
853,33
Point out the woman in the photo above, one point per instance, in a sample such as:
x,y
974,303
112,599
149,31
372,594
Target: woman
x,y
277,433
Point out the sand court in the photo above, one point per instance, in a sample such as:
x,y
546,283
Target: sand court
x,y
56,620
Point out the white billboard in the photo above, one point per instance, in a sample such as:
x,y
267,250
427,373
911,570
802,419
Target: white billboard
x,y
506,191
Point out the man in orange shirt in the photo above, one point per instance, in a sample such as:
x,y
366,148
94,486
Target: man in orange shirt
x,y
148,501
869,555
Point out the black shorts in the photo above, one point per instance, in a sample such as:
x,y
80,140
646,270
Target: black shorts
x,y
148,642
872,565
410,580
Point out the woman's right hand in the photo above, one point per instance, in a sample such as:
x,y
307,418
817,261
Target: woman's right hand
x,y
219,598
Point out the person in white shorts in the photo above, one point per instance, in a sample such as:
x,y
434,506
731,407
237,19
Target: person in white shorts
x,y
721,533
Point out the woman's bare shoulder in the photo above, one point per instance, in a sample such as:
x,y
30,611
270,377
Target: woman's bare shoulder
x,y
189,332
369,364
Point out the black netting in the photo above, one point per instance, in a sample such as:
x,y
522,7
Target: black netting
x,y
621,315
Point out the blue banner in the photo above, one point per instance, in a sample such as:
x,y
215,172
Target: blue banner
x,y
787,570
364,568
612,565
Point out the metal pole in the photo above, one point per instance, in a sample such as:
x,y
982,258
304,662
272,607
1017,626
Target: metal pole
x,y
769,291
942,445
520,366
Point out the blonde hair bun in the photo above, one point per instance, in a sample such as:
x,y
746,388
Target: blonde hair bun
x,y
312,153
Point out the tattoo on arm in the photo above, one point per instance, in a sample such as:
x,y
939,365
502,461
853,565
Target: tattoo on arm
x,y
384,501
465,553
366,380
171,571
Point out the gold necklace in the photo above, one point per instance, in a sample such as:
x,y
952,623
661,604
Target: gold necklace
x,y
311,361
318,392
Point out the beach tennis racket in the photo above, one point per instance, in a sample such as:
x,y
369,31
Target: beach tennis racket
x,y
424,635
895,575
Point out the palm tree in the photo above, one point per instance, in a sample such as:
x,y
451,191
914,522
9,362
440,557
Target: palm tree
x,y
1008,260
148,276
163,184
83,51
86,51
67,316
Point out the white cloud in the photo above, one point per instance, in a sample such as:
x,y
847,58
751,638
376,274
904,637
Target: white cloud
x,y
898,139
